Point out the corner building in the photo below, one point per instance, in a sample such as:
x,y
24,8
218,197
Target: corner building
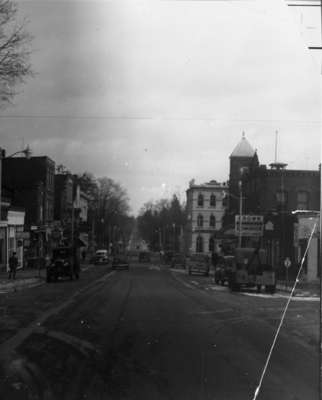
x,y
205,212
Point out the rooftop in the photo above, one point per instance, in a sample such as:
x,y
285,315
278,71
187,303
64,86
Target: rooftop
x,y
243,149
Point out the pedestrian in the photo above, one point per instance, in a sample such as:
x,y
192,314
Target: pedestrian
x,y
13,264
214,258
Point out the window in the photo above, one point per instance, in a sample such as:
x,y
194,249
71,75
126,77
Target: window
x,y
281,197
200,200
302,200
213,200
200,220
211,244
199,244
212,221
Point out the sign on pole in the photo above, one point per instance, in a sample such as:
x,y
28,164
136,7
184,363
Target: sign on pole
x,y
287,262
251,225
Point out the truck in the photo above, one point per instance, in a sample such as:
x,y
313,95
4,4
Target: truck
x,y
250,269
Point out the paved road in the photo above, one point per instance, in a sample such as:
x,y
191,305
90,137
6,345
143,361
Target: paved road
x,y
155,334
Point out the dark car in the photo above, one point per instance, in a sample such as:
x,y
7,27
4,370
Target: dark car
x,y
144,256
101,257
120,261
178,260
167,257
224,269
63,264
198,263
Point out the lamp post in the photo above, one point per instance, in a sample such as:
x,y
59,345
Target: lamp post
x,y
240,212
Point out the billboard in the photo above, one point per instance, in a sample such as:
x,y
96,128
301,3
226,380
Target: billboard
x,y
251,225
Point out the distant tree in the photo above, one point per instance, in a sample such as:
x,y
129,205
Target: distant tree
x,y
61,169
108,208
88,184
160,223
14,51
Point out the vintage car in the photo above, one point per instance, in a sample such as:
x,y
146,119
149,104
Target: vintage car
x,y
120,261
63,264
198,263
252,270
101,257
144,256
223,269
178,260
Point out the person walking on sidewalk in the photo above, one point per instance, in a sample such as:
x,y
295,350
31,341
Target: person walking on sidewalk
x,y
13,264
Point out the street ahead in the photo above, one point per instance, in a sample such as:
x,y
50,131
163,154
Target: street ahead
x,y
151,333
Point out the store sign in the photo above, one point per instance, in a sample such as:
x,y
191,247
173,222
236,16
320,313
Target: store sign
x,y
251,225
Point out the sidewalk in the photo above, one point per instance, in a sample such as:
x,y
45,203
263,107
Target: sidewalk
x,y
24,278
303,289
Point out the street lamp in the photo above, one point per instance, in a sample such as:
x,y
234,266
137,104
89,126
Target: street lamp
x,y
240,185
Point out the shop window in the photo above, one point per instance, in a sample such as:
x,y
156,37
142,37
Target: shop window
x,y
200,200
199,244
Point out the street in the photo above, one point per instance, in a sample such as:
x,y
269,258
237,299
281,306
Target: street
x,y
153,333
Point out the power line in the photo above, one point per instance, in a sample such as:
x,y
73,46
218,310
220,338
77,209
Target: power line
x,y
151,118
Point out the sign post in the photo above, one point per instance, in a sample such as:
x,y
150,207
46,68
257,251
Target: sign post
x,y
287,264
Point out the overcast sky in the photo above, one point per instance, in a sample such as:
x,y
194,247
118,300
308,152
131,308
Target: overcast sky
x,y
153,94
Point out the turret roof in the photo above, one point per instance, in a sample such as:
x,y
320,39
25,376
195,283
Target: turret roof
x,y
243,149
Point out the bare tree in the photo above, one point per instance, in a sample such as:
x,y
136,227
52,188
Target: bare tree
x,y
14,51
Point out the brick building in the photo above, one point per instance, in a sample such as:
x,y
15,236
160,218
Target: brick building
x,y
274,192
31,182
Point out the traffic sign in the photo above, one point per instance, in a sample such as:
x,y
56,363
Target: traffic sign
x,y
287,262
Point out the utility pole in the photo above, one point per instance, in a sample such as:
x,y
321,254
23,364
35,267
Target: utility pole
x,y
240,213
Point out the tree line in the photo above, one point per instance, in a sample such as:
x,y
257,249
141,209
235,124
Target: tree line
x,y
161,223
108,214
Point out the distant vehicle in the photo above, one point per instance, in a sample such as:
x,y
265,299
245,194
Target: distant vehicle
x,y
251,270
62,265
179,260
120,261
167,256
198,263
224,268
144,256
101,257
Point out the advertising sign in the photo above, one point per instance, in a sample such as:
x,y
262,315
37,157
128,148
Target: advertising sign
x,y
251,225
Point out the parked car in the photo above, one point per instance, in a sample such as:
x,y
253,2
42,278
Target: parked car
x,y
101,257
224,269
167,257
144,256
62,265
198,263
120,261
178,260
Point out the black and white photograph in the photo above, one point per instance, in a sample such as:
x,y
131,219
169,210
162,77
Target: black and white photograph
x,y
160,198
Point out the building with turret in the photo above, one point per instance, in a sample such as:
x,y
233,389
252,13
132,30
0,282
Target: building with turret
x,y
274,193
